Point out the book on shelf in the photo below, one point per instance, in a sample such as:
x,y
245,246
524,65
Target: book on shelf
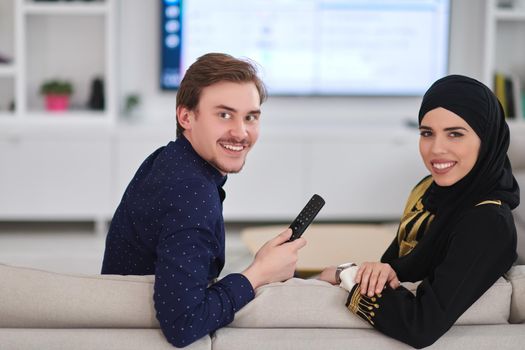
x,y
508,89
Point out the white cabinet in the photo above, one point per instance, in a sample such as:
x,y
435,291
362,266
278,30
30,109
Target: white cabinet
x,y
273,184
72,41
366,175
130,147
54,175
362,173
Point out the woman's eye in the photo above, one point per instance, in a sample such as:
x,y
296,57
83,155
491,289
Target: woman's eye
x,y
455,134
425,133
252,117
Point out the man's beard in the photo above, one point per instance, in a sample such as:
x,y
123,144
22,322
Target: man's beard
x,y
225,170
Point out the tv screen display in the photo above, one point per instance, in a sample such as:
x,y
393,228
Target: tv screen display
x,y
314,47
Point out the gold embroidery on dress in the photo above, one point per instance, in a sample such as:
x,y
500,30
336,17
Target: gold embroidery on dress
x,y
413,217
363,305
496,201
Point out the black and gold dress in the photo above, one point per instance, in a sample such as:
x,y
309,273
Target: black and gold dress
x,y
455,270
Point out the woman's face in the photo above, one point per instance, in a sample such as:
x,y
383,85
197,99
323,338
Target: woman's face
x,y
448,145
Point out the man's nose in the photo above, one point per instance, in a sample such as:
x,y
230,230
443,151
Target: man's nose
x,y
239,130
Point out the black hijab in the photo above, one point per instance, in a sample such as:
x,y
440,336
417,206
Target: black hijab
x,y
491,177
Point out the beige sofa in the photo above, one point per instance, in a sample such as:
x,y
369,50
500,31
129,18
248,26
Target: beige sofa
x,y
46,310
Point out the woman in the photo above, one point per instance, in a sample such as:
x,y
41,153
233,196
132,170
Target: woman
x,y
457,234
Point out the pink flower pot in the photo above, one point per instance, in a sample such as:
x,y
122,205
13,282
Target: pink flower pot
x,y
57,102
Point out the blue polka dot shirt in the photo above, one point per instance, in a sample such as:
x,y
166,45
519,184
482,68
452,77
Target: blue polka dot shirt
x,y
169,223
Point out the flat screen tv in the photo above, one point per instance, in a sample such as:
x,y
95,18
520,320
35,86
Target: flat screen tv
x,y
314,47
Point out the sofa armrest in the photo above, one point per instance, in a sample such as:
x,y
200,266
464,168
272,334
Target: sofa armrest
x,y
516,276
32,298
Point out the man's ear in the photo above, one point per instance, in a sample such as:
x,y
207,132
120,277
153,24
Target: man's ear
x,y
184,117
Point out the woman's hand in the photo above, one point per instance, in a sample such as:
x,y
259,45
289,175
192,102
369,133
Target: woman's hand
x,y
373,276
328,275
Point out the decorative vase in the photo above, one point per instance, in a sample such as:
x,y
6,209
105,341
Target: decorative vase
x,y
57,102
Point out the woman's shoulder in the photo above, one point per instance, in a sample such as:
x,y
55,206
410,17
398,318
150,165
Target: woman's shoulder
x,y
487,218
488,208
489,227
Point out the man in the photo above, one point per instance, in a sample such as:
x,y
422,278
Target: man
x,y
169,222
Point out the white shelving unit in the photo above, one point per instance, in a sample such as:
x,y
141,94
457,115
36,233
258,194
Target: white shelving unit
x,y
7,70
504,50
510,14
65,8
73,41
59,163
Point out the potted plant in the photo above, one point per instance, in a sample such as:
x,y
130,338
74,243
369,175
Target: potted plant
x,y
131,104
57,94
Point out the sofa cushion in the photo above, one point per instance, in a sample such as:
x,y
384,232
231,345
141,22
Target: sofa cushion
x,y
32,298
317,304
478,337
516,276
89,339
298,303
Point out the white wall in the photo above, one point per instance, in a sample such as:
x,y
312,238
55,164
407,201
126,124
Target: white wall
x,y
139,71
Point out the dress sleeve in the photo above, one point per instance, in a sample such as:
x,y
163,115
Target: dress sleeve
x,y
187,306
392,252
481,248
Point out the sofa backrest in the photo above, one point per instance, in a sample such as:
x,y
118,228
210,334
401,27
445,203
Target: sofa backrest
x,y
31,298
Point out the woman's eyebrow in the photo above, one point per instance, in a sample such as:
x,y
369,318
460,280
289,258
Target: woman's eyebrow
x,y
453,128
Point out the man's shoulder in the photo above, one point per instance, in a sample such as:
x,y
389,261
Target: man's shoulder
x,y
168,168
177,160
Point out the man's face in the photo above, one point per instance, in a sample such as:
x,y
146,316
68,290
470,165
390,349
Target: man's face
x,y
225,124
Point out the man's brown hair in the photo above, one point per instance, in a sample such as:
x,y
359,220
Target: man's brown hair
x,y
213,68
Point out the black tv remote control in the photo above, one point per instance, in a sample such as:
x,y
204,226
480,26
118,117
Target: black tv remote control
x,y
306,216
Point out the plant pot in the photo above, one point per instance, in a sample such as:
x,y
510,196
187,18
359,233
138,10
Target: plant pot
x,y
57,102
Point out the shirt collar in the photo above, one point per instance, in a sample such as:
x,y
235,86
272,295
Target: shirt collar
x,y
209,170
